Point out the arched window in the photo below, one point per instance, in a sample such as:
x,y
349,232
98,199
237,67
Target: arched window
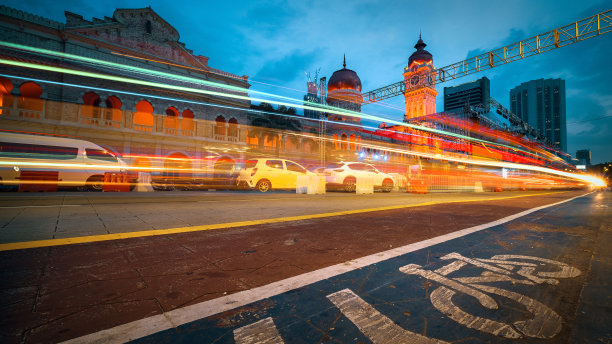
x,y
113,110
232,129
171,120
187,113
30,96
343,142
6,99
172,111
336,143
148,28
220,126
30,90
187,121
352,141
143,118
91,105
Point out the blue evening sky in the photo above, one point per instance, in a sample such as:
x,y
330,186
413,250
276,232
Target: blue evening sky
x,y
276,42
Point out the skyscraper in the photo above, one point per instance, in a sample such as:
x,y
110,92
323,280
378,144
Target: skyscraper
x,y
474,93
584,157
541,103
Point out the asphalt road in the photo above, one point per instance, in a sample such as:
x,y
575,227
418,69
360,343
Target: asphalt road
x,y
473,272
72,214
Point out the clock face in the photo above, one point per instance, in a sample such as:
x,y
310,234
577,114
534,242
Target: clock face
x,y
429,79
414,80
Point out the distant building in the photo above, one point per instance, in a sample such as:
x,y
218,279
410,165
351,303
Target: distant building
x,y
312,97
541,103
584,157
473,93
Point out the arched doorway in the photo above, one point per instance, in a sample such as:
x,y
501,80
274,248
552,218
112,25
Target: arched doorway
x,y
142,164
143,118
177,172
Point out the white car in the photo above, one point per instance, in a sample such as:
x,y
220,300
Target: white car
x,y
344,175
266,174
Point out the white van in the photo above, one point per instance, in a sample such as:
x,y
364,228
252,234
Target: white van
x,y
78,163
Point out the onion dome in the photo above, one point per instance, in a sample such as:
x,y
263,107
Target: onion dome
x,y
421,54
344,79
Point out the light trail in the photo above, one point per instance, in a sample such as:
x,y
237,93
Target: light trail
x,y
227,95
311,106
312,137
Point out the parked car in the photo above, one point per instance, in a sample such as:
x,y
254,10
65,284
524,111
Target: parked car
x,y
68,162
266,174
344,175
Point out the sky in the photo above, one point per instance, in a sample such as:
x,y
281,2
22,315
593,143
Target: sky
x,y
276,42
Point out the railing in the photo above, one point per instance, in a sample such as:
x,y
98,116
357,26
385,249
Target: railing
x,y
80,115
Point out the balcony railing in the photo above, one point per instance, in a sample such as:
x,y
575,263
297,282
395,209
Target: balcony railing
x,y
106,119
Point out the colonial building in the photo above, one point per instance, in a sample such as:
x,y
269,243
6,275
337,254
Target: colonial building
x,y
41,92
420,99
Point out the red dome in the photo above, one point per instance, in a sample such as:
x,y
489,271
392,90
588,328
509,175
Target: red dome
x,y
344,79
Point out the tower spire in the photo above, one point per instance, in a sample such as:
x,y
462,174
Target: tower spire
x,y
344,63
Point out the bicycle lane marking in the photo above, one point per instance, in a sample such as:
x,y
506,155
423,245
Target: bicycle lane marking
x,y
256,299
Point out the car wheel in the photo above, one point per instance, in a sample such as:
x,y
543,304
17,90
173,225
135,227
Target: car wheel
x,y
387,185
95,183
350,184
263,185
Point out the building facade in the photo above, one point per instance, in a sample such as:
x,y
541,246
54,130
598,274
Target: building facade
x,y
470,93
147,124
541,104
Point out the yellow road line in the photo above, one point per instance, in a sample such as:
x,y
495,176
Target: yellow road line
x,y
155,232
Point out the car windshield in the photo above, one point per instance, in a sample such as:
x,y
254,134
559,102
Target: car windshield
x,y
275,164
358,167
100,155
334,165
291,166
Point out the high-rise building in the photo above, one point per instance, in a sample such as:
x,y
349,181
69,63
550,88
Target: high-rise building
x,y
584,157
541,103
473,93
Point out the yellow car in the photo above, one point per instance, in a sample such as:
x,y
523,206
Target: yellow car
x,y
266,174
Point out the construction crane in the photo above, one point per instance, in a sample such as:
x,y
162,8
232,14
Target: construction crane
x,y
581,30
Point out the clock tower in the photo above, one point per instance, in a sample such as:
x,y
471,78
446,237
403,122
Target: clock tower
x,y
420,79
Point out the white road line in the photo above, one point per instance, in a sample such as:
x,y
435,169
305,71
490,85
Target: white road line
x,y
41,206
377,327
157,323
262,332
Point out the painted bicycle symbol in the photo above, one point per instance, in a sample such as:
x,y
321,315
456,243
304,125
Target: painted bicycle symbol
x,y
544,323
